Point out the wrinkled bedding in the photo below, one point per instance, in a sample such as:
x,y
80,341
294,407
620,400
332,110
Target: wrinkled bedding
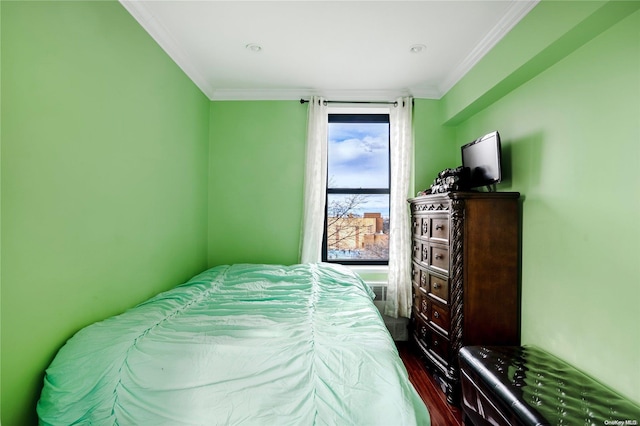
x,y
240,344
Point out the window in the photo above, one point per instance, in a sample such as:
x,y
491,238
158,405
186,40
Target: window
x,y
358,180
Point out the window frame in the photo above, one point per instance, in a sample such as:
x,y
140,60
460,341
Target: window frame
x,y
361,116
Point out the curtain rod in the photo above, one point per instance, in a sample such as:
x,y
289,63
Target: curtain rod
x,y
394,103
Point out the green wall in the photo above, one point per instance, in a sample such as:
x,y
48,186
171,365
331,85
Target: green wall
x,y
104,179
571,135
433,150
256,178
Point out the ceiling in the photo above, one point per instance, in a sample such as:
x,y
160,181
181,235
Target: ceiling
x,y
343,50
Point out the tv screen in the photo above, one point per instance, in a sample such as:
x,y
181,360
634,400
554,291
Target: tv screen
x,y
482,157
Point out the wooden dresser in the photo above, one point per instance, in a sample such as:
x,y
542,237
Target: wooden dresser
x,y
466,270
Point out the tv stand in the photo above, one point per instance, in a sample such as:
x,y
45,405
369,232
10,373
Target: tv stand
x,y
466,254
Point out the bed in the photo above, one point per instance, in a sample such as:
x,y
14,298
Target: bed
x,y
238,344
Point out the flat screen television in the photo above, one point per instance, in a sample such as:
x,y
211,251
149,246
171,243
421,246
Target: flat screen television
x,y
483,156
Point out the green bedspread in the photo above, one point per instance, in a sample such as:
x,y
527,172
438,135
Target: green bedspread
x,y
241,344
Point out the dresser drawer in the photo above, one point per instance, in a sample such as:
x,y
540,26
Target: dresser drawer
x,y
416,298
438,345
439,317
420,303
420,252
439,288
424,280
422,333
416,247
420,277
420,226
438,256
415,225
435,343
439,226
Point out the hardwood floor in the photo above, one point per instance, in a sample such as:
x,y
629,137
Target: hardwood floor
x,y
442,413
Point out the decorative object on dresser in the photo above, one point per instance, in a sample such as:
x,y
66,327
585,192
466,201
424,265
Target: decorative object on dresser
x,y
450,180
466,256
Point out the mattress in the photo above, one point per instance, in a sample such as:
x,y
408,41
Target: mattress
x,y
238,344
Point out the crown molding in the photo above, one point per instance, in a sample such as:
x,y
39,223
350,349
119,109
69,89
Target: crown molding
x,y
297,94
163,37
426,92
260,94
517,10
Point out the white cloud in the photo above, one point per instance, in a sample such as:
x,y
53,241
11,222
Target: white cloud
x,y
359,162
358,155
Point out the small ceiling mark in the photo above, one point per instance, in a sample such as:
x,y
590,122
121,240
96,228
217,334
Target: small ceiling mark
x,y
253,47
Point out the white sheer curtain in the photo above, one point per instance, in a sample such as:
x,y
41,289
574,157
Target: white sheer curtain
x,y
398,302
315,182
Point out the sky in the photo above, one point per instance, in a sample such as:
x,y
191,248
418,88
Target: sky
x,y
359,158
358,155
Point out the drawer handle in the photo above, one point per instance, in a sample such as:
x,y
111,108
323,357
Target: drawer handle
x,y
439,256
435,343
439,227
436,315
436,286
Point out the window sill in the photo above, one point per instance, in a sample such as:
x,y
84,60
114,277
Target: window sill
x,y
369,269
372,274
